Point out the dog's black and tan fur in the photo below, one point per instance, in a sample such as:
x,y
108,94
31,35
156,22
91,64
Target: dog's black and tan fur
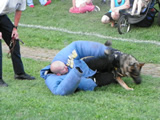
x,y
113,66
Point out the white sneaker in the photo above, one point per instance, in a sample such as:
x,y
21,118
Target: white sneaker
x,y
96,8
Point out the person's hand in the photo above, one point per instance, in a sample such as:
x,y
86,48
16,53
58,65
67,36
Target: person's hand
x,y
15,33
0,35
115,10
83,5
72,8
126,5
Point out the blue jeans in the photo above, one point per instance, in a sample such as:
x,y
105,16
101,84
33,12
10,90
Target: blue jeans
x,y
42,2
152,4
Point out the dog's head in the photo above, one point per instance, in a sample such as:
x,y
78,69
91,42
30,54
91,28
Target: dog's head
x,y
126,65
129,66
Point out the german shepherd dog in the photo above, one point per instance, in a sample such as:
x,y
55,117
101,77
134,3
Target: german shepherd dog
x,y
113,66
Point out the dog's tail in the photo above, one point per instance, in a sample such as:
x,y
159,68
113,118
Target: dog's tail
x,y
108,43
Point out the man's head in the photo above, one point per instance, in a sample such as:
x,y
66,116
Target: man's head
x,y
59,68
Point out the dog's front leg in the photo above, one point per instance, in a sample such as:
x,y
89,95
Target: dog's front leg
x,y
123,84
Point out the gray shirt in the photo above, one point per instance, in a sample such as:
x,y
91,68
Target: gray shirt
x,y
9,6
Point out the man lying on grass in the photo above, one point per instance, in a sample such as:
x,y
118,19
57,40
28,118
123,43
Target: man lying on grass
x,y
68,73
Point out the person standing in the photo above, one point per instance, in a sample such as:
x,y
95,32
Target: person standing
x,y
9,32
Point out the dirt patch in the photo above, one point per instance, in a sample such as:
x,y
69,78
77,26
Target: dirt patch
x,y
47,55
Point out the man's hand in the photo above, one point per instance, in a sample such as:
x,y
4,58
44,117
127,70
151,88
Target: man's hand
x,y
0,35
16,21
15,33
116,10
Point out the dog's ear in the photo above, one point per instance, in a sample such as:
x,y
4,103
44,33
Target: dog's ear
x,y
132,66
135,65
141,64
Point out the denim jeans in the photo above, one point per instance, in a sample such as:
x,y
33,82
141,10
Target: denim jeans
x,y
42,2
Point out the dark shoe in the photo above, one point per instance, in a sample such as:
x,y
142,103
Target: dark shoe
x,y
2,83
96,8
103,2
115,25
24,77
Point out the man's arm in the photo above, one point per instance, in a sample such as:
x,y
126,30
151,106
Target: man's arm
x,y
0,35
112,4
65,84
74,3
16,21
17,17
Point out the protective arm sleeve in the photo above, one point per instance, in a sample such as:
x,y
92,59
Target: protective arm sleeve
x,y
64,85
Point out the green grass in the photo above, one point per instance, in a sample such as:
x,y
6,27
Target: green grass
x,y
57,15
32,100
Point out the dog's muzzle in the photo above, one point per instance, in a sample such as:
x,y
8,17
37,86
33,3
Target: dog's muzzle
x,y
137,79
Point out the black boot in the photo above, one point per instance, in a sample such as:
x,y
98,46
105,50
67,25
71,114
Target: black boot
x,y
24,77
2,83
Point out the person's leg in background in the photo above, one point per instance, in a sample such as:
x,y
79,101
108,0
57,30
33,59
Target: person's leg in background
x,y
30,3
45,2
107,19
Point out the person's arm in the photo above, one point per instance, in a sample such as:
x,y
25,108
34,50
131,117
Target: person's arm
x,y
64,85
74,3
112,4
0,35
126,5
16,21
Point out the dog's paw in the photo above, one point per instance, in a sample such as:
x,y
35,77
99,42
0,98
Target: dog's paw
x,y
130,89
108,43
107,52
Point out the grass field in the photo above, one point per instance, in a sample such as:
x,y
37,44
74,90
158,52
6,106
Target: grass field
x,y
31,100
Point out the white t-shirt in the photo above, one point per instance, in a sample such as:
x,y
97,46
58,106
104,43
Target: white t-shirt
x,y
9,6
79,2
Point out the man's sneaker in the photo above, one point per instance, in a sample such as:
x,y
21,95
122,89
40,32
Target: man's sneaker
x,y
48,2
32,6
24,77
116,25
2,83
103,2
96,8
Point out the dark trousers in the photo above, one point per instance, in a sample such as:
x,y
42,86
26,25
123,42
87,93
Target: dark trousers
x,y
6,27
